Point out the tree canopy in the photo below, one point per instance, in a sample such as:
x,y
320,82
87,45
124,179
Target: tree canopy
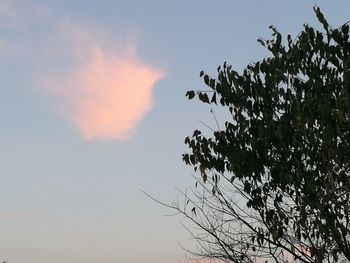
x,y
275,180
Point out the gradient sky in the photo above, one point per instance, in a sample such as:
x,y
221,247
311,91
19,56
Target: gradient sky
x,y
93,111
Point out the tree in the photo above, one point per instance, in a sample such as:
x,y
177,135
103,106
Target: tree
x,y
274,183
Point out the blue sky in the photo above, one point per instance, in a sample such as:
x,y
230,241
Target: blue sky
x,y
70,182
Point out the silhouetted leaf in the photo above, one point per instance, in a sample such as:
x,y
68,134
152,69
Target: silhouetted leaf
x,y
190,94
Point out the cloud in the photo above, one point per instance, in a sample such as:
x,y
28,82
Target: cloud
x,y
107,90
95,81
19,15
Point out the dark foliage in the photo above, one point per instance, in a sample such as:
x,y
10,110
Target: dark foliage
x,y
275,181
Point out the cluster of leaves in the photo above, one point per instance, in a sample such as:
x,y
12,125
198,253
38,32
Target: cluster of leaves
x,y
286,150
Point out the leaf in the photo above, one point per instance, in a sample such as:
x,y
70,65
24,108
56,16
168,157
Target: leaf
x,y
206,79
186,158
247,187
194,210
203,97
213,98
190,94
321,18
192,159
196,133
212,83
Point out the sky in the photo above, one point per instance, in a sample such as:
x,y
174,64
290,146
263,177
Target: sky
x,y
93,112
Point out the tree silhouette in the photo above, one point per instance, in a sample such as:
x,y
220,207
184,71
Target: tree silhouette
x,y
274,183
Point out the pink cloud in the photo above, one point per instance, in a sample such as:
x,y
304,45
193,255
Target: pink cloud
x,y
108,91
